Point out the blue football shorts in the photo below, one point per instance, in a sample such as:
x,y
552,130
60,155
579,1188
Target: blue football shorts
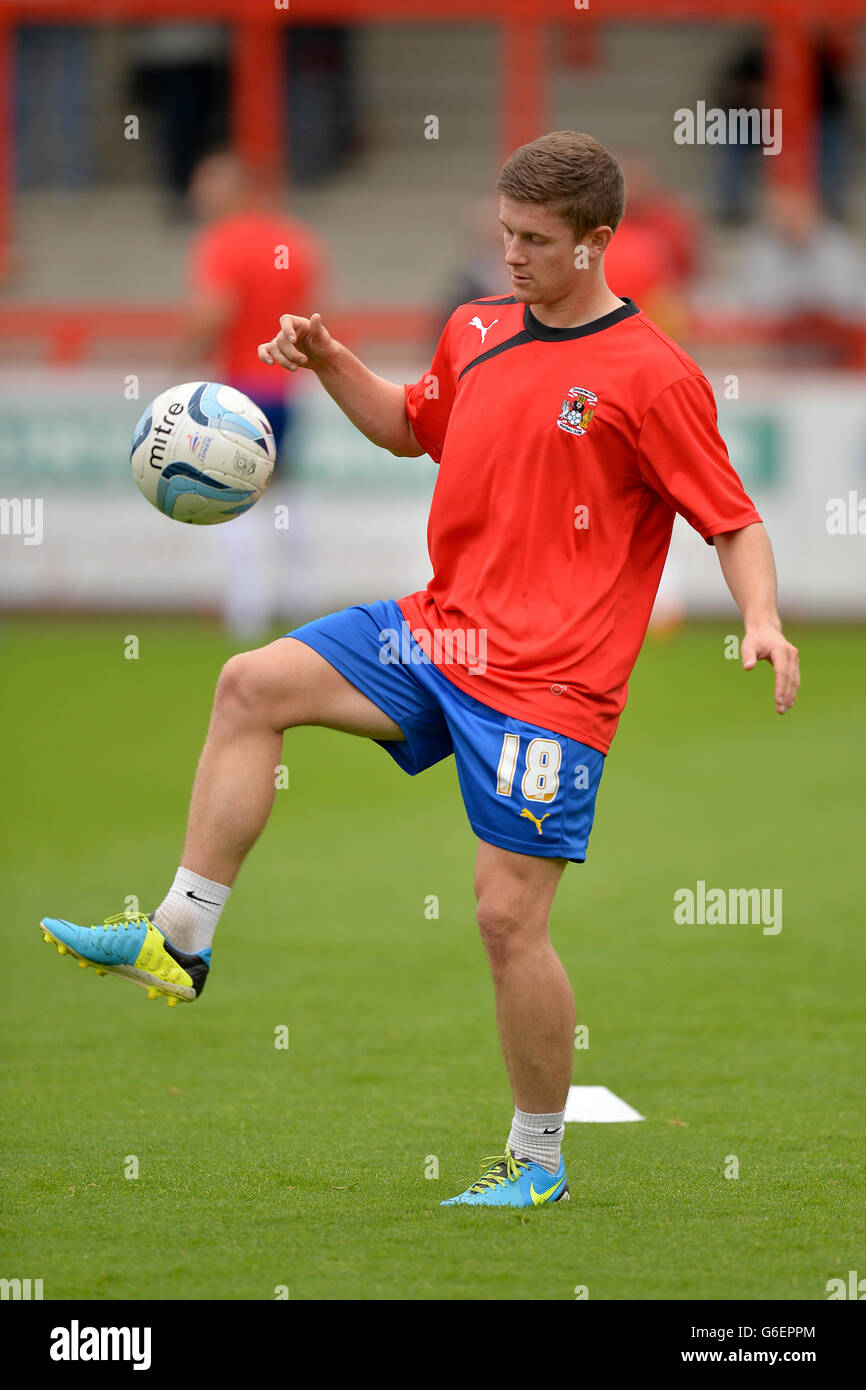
x,y
527,789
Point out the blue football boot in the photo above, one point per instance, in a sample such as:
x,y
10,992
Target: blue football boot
x,y
133,948
507,1181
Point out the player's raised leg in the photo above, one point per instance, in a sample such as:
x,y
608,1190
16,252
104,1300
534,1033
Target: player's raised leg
x,y
535,1015
259,695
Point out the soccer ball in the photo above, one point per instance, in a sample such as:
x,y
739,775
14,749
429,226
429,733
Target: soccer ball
x,y
202,452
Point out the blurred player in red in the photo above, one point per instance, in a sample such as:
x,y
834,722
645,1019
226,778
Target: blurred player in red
x,y
247,260
655,254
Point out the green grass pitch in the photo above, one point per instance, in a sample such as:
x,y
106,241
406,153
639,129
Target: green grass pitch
x,y
304,1167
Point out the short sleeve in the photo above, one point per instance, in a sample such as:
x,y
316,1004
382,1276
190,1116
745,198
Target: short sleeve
x,y
429,400
683,458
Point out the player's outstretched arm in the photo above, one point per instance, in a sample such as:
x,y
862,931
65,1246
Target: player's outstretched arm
x,y
375,406
746,558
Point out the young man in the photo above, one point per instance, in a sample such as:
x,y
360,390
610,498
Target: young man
x,y
568,430
247,256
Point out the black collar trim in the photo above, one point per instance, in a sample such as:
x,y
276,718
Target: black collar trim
x,y
536,329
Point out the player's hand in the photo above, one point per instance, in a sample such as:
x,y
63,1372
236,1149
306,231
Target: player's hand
x,y
300,343
766,643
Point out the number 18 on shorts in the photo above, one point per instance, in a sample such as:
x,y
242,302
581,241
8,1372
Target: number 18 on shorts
x,y
527,789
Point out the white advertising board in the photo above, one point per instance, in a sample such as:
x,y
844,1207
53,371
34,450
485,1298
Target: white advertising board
x,y
357,516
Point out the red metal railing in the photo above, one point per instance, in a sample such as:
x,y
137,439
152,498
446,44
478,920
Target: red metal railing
x,y
68,335
72,335
258,77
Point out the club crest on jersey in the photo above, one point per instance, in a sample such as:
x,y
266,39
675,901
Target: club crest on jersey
x,y
577,410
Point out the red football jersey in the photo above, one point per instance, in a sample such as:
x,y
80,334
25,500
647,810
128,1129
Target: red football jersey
x,y
243,255
563,455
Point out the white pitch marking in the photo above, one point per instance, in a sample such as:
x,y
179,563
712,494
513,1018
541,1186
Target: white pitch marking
x,y
597,1105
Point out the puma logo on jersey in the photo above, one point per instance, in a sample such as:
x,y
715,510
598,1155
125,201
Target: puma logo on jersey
x,y
530,816
476,323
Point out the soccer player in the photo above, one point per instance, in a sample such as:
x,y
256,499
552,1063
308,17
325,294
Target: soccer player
x,y
568,431
248,256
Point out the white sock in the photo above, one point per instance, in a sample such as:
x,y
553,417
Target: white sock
x,y
189,913
538,1137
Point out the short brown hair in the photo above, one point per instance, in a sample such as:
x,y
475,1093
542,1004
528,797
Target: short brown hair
x,y
573,174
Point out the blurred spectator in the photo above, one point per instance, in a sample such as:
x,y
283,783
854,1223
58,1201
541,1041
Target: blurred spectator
x,y
481,271
737,167
803,271
322,107
653,207
639,263
794,261
249,264
181,74
836,125
740,166
55,85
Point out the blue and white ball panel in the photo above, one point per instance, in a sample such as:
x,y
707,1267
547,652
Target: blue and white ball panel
x,y
203,452
525,788
183,480
142,430
220,407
